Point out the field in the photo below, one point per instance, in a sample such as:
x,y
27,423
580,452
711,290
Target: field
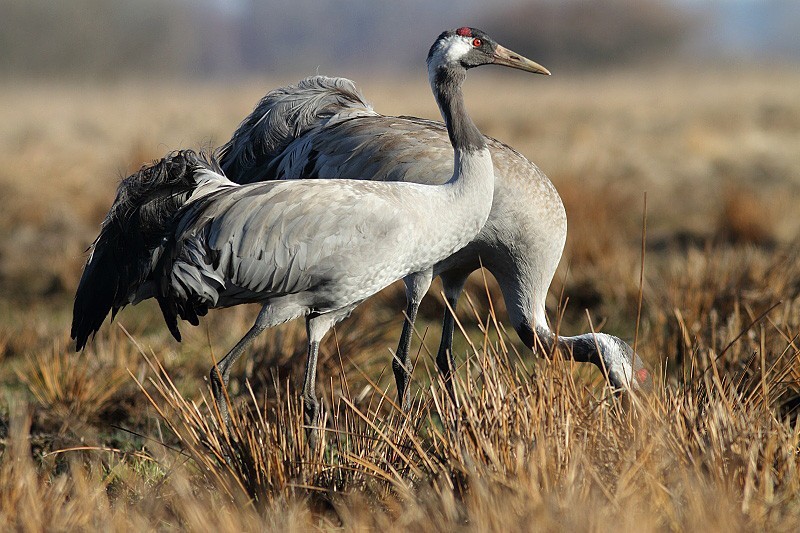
x,y
122,436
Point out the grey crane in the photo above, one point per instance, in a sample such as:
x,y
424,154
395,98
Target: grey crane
x,y
323,128
179,231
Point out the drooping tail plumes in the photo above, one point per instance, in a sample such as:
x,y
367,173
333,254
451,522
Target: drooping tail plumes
x,y
131,240
282,116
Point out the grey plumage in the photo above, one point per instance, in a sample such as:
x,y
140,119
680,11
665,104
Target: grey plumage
x,y
521,243
300,248
285,114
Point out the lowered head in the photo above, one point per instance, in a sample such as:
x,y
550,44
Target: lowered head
x,y
466,48
623,367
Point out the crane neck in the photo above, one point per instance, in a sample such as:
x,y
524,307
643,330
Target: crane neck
x,y
621,365
580,348
446,83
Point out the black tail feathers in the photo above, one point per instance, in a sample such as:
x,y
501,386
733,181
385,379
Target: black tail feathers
x,y
131,239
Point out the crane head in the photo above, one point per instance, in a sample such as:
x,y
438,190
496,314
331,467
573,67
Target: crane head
x,y
470,47
623,366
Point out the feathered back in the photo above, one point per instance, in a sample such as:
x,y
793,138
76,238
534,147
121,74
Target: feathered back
x,y
131,238
280,117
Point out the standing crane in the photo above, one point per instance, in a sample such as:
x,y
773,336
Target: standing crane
x,y
181,232
323,128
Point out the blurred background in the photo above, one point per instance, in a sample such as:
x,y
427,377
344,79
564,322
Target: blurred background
x,y
109,39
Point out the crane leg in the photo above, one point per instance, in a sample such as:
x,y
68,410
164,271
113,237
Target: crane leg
x,y
317,325
310,402
220,373
453,285
417,285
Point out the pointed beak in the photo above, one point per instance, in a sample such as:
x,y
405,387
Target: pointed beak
x,y
504,56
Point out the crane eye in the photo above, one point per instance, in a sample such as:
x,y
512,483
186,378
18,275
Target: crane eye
x,y
477,43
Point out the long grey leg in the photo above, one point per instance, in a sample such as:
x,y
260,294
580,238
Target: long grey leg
x,y
220,374
417,285
310,402
453,284
316,328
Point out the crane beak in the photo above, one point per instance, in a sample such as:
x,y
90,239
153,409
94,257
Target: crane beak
x,y
504,56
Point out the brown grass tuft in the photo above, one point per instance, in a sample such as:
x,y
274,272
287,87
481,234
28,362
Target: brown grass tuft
x,y
71,387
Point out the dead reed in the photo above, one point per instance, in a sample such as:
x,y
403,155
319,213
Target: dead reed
x,y
527,444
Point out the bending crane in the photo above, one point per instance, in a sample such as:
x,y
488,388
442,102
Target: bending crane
x,y
323,128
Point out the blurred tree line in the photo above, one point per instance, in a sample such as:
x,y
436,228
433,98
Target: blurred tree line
x,y
88,37
113,38
597,33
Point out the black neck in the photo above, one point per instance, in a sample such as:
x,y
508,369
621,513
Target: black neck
x,y
464,135
581,348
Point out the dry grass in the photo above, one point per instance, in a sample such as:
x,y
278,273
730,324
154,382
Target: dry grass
x,y
525,446
124,437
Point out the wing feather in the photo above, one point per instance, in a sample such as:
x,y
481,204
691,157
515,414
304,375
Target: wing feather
x,y
271,239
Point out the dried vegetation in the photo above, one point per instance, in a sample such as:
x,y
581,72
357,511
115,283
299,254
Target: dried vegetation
x,y
124,436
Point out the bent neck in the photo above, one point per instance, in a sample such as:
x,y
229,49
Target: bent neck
x,y
581,348
446,85
606,352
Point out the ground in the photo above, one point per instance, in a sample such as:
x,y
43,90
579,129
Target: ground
x,y
122,435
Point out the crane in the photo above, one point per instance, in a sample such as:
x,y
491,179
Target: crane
x,y
322,127
180,232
